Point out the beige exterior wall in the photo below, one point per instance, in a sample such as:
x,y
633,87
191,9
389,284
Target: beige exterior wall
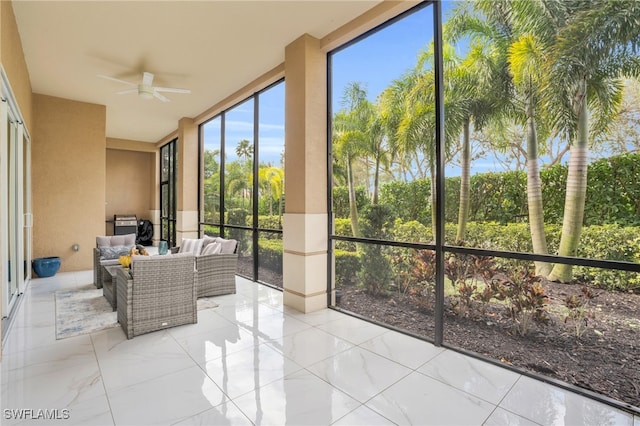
x,y
68,179
128,183
14,64
15,68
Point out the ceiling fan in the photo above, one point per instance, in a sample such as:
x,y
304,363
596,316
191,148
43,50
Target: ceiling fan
x,y
146,89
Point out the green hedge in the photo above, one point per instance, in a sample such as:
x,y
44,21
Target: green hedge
x,y
341,200
613,195
271,254
609,242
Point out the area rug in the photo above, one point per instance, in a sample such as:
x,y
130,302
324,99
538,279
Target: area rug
x,y
85,310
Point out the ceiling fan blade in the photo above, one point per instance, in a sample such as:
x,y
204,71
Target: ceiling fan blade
x,y
124,92
161,97
147,79
171,90
116,79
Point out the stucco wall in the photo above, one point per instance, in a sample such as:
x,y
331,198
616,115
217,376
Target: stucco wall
x,y
68,179
127,184
14,63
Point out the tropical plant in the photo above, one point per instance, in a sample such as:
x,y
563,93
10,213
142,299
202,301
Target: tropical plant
x,y
211,184
596,45
349,137
271,183
521,51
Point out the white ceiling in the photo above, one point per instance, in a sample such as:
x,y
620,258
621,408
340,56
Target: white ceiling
x,y
211,47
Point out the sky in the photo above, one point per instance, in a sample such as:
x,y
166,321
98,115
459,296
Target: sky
x,y
374,61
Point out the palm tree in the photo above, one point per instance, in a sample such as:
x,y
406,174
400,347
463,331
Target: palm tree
x,y
477,87
211,184
375,146
349,137
271,180
409,116
596,47
244,150
519,33
526,62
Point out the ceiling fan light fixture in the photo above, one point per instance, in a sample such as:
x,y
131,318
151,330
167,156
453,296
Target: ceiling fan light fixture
x,y
145,92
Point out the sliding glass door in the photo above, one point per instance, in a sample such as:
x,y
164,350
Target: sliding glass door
x,y
15,204
168,193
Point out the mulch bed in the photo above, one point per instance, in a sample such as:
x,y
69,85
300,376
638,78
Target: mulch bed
x,y
604,359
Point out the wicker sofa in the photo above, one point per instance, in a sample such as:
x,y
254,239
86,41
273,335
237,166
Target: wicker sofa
x,y
215,273
112,244
157,293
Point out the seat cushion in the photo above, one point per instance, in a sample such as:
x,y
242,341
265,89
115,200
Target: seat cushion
x,y
109,262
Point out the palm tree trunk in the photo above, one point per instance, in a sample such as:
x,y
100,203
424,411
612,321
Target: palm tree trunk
x,y
534,195
465,183
376,182
353,208
575,198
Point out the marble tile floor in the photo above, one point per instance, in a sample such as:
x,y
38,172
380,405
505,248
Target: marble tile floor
x,y
253,361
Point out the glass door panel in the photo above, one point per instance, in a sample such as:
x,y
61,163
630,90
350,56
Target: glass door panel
x,y
12,132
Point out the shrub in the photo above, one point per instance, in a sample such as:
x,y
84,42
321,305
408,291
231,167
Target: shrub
x,y
341,200
347,266
343,227
409,200
526,300
375,274
269,222
238,217
270,254
411,231
612,242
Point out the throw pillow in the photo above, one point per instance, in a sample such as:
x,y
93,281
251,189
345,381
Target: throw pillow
x,y
213,248
190,245
207,240
115,252
228,246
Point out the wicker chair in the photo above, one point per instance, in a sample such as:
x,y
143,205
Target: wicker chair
x,y
159,293
128,241
216,273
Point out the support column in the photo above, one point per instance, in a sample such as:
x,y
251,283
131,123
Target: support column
x,y
187,182
305,220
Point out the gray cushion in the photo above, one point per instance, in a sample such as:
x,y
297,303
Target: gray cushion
x,y
206,240
213,248
113,252
116,240
109,262
228,246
